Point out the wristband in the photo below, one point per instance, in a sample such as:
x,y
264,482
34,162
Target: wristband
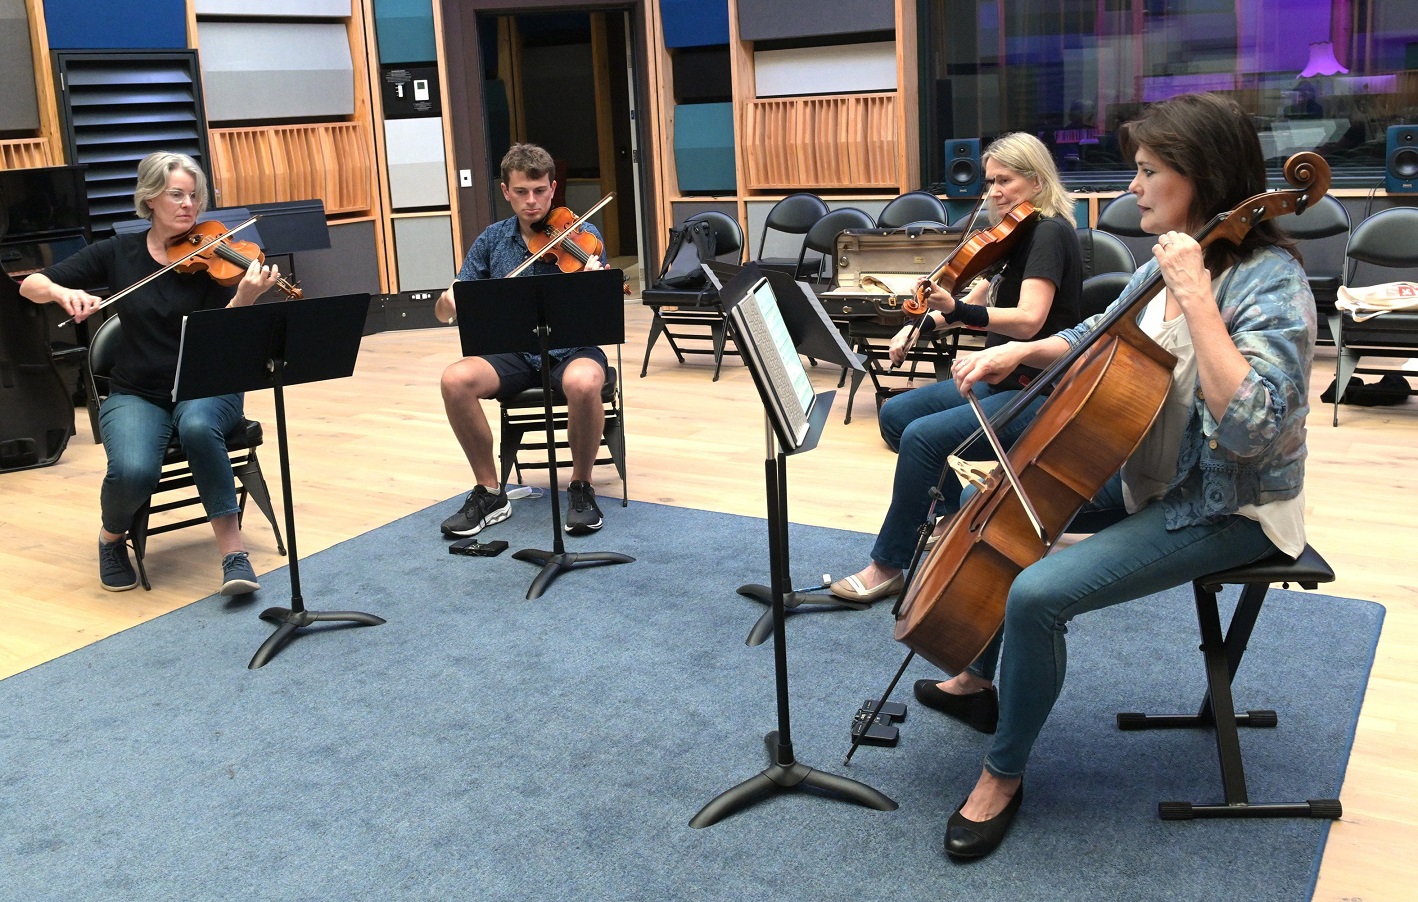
x,y
927,326
975,316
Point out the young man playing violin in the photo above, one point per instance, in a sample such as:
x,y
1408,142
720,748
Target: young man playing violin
x,y
578,373
139,418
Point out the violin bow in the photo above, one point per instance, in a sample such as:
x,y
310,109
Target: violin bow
x,y
551,245
175,263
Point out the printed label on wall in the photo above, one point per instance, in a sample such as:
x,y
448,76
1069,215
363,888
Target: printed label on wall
x,y
411,92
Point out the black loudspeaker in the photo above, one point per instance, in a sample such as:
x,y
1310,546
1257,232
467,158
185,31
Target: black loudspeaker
x,y
1401,160
964,176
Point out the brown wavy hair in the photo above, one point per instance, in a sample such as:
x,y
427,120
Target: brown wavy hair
x,y
1212,142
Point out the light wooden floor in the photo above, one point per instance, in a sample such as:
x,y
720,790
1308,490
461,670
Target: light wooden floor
x,y
371,448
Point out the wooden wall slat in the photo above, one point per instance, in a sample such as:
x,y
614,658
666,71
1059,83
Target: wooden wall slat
x,y
332,161
847,141
25,153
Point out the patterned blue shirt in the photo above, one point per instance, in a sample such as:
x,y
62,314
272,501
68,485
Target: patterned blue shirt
x,y
499,250
1255,453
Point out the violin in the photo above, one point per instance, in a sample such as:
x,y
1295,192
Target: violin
x,y
224,259
981,251
562,239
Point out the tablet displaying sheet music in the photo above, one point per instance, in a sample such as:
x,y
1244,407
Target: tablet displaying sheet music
x,y
773,360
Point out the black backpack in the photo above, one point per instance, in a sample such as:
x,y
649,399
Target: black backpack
x,y
691,244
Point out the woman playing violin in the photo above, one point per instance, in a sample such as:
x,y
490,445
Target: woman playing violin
x,y
1217,480
1037,293
138,418
579,373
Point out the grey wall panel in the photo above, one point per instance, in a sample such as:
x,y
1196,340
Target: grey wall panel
x,y
423,247
766,20
19,110
418,171
276,70
837,69
275,9
348,266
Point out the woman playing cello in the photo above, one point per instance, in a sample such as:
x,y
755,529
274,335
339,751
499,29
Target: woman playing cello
x,y
1216,483
1036,294
138,418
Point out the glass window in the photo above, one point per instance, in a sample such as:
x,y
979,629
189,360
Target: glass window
x,y
1324,75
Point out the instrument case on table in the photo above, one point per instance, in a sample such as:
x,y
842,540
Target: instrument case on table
x,y
876,269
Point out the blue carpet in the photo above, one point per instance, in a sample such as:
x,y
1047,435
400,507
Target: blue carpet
x,y
481,746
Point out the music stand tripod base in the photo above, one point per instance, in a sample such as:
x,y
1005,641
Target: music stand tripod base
x,y
763,628
778,778
554,563
289,621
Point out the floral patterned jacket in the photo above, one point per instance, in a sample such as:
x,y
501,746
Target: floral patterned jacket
x,y
1255,453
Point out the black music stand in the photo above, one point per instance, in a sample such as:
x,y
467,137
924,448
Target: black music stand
x,y
814,335
239,349
784,772
500,316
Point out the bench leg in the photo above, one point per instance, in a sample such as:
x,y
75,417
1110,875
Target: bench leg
x,y
1222,657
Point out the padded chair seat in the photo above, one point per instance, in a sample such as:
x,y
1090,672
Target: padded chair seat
x,y
1309,570
248,435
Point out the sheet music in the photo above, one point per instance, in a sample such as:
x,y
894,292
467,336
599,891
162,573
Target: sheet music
x,y
777,367
181,344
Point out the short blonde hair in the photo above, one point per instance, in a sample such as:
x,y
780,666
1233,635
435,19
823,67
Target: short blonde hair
x,y
152,180
1027,155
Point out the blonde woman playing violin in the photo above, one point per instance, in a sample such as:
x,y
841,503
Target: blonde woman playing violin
x,y
138,418
1036,294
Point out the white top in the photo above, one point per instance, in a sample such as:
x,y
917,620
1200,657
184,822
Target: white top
x,y
1151,468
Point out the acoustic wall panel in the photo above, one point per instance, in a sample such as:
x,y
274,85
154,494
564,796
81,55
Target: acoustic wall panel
x,y
119,107
276,70
702,75
704,148
274,9
19,109
694,23
423,247
418,175
405,30
116,24
768,20
348,266
839,69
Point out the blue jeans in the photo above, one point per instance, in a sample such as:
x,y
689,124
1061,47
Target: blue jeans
x,y
1133,558
924,426
135,435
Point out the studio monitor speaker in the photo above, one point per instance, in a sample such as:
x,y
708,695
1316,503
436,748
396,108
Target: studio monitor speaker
x,y
964,176
1401,160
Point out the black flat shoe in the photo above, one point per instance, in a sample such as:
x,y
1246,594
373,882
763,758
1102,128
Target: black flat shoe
x,y
978,709
965,838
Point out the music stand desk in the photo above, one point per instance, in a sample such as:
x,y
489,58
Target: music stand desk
x,y
240,349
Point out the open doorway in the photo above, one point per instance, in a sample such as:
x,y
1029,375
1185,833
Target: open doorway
x,y
563,80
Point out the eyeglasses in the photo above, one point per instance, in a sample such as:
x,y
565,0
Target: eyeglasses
x,y
177,195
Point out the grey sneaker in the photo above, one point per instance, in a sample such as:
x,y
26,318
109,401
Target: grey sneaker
x,y
583,517
115,571
481,509
237,576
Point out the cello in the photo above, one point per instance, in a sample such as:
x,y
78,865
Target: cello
x,y
1107,392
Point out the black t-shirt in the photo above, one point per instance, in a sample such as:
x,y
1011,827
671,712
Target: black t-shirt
x,y
146,363
1049,250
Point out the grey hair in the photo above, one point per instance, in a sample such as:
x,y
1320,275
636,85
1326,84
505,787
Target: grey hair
x,y
152,180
